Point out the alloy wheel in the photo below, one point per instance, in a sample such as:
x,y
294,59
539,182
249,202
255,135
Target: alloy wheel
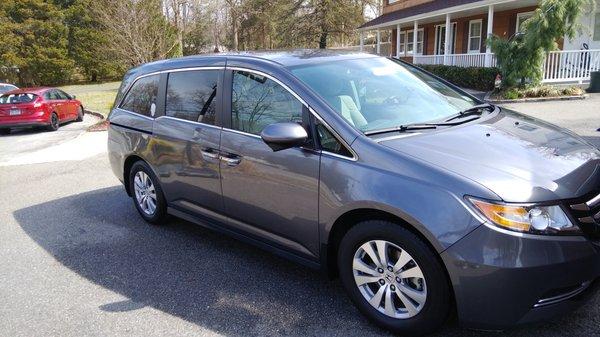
x,y
145,194
54,121
389,279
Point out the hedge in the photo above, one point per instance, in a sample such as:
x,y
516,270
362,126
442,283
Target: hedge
x,y
476,78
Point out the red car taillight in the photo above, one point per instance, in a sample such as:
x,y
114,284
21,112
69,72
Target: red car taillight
x,y
37,103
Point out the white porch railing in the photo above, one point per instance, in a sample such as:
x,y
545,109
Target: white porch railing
x,y
559,67
429,59
458,60
571,65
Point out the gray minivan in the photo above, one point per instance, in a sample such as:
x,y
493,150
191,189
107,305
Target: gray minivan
x,y
421,198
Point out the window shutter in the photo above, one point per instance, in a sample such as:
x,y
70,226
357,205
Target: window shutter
x,y
425,38
483,35
465,40
512,26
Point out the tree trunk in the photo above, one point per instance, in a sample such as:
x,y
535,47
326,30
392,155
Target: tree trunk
x,y
234,32
323,40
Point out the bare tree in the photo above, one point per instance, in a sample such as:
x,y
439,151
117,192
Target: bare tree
x,y
138,30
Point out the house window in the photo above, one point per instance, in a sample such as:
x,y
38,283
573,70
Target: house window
x,y
402,45
521,18
597,27
410,41
475,36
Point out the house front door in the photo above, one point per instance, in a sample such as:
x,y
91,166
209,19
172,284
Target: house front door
x,y
440,37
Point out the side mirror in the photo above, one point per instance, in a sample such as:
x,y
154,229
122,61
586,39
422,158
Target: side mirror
x,y
281,136
73,96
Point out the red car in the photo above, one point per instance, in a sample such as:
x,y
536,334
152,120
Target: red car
x,y
47,107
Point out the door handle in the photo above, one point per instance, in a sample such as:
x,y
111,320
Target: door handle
x,y
231,160
209,154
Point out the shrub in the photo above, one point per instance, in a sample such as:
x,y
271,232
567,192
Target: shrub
x,y
539,91
476,78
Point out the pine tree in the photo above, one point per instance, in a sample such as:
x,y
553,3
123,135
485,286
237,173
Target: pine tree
x,y
522,57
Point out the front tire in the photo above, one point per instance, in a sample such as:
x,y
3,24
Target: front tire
x,y
394,278
147,193
54,122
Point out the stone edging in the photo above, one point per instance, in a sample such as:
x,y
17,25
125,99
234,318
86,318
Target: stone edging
x,y
534,99
94,113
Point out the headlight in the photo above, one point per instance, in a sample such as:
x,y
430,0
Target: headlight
x,y
531,219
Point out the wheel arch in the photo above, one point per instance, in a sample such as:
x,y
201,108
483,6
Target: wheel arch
x,y
351,218
127,165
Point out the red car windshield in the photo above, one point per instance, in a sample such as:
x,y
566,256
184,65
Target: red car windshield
x,y
17,98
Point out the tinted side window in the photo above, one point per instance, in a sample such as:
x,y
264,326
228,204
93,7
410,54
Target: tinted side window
x,y
142,95
330,144
52,95
258,101
192,95
62,94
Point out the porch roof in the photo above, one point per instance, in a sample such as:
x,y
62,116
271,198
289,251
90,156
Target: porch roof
x,y
438,9
415,10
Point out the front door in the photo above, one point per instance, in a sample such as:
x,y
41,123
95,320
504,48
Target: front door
x,y
440,39
186,140
272,195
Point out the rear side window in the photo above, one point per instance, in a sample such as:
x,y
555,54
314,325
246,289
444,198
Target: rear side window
x,y
17,98
141,98
192,95
52,95
258,101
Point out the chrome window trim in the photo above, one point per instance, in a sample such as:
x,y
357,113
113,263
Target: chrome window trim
x,y
163,72
258,72
189,122
243,133
136,114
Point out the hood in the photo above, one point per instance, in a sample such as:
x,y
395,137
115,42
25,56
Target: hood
x,y
521,159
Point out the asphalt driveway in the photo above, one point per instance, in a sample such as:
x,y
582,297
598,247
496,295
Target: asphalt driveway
x,y
24,140
77,260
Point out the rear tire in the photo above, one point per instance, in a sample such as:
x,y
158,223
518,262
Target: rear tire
x,y
54,122
412,277
147,193
80,113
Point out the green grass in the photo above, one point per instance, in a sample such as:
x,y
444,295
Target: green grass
x,y
95,97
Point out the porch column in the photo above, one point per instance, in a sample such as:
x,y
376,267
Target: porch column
x,y
415,39
378,41
398,40
490,28
362,41
447,38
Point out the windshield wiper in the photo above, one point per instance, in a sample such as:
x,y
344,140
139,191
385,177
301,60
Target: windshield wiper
x,y
474,110
403,128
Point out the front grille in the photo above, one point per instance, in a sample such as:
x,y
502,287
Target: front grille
x,y
587,214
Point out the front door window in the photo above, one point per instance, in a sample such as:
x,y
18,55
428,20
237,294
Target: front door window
x,y
440,39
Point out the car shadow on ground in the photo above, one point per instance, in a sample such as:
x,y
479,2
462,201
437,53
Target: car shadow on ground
x,y
198,275
21,131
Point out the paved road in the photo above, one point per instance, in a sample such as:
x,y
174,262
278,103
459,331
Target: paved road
x,y
581,116
26,140
76,260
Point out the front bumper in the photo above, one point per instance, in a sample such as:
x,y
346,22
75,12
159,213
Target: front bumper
x,y
502,280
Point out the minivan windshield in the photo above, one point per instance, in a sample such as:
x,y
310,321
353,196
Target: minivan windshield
x,y
377,93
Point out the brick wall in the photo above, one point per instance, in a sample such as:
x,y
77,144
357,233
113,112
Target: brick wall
x,y
505,23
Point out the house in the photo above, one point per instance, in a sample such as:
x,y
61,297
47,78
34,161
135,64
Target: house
x,y
470,22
